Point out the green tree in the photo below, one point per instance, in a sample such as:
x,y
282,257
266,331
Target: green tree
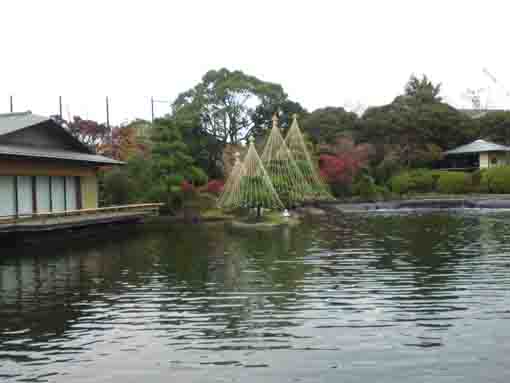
x,y
131,183
172,163
324,125
416,127
422,90
286,109
204,147
495,126
225,102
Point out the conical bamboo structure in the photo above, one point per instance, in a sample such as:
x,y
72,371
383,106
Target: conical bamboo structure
x,y
295,142
287,179
249,185
230,197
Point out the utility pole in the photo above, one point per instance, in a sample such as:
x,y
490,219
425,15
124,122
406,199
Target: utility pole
x,y
60,106
107,113
12,104
152,109
108,121
152,106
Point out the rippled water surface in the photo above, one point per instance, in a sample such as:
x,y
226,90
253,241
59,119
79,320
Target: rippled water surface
x,y
383,298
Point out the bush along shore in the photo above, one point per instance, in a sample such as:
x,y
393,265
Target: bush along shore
x,y
491,183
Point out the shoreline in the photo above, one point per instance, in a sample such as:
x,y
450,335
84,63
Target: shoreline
x,y
439,203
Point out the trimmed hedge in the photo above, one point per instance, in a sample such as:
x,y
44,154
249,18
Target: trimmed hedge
x,y
401,183
495,180
427,181
454,183
415,181
366,189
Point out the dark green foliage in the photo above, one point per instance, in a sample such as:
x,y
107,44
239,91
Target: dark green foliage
x,y
495,126
131,183
422,90
325,125
366,188
172,161
225,108
384,193
225,102
454,183
416,134
416,127
204,147
492,180
117,188
425,180
383,171
476,180
157,178
496,180
342,190
262,117
401,183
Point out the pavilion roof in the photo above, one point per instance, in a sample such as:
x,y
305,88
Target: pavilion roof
x,y
478,146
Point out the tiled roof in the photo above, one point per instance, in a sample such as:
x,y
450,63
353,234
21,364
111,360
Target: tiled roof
x,y
11,122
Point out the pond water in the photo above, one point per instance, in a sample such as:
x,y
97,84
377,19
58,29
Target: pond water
x,y
357,298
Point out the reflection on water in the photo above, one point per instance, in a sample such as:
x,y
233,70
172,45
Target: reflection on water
x,y
361,298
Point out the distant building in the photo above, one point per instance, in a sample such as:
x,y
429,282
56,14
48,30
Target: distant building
x,y
43,168
478,154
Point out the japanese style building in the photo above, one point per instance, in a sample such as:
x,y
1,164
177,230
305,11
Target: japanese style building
x,y
43,168
479,154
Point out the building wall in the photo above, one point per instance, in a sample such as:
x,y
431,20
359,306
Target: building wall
x,y
484,160
33,179
43,168
89,193
498,159
488,160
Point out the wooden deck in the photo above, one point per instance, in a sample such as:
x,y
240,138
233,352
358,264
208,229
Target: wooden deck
x,y
77,218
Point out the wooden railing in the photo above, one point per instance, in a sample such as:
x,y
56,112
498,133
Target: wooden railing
x,y
146,207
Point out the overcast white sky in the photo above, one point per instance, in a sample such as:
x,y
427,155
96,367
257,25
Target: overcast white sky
x,y
324,53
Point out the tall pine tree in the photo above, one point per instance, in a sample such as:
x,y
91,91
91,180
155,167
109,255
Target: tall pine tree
x,y
172,163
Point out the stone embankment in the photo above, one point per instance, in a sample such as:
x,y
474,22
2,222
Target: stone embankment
x,y
425,204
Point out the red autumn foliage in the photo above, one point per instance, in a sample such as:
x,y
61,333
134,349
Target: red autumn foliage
x,y
119,143
91,133
123,144
338,169
343,161
214,187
